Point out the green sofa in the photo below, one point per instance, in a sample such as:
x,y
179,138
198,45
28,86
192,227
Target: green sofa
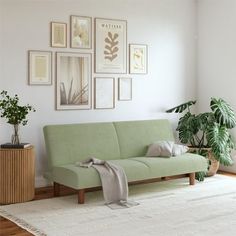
x,y
124,143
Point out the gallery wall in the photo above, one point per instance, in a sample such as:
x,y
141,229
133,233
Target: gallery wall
x,y
168,27
217,55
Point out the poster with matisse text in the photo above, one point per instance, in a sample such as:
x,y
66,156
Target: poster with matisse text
x,y
111,46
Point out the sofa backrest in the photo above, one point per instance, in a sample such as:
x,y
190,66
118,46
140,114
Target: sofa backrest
x,y
66,144
135,136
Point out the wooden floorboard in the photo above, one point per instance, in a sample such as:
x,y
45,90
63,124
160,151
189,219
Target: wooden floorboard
x,y
8,228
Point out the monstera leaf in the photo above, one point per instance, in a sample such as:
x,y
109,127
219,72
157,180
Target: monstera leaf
x,y
209,129
182,107
223,112
187,128
219,140
205,120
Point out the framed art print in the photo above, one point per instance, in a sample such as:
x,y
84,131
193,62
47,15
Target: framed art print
x,y
137,59
80,32
58,35
110,46
104,93
125,89
73,80
39,68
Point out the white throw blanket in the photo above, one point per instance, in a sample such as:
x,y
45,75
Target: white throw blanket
x,y
114,181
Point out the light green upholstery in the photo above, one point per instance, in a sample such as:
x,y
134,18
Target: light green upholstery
x,y
123,143
66,144
135,136
79,177
160,167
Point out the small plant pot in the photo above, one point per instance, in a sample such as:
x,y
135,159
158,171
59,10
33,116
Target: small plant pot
x,y
213,163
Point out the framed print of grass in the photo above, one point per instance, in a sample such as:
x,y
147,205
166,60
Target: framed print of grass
x,y
73,80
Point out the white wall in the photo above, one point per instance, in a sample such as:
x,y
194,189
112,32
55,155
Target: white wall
x,y
168,27
1,45
217,54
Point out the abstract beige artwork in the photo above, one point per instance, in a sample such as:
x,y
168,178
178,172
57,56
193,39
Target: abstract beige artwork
x,y
104,89
40,67
125,89
73,81
111,46
138,59
81,32
58,34
111,50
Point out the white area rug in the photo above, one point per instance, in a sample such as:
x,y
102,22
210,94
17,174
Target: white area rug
x,y
170,208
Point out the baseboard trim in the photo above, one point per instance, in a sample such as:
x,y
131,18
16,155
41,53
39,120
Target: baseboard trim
x,y
40,181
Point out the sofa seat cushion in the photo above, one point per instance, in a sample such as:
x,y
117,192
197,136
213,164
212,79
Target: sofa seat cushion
x,y
79,177
162,166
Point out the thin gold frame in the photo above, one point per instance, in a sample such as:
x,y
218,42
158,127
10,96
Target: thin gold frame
x,y
51,32
113,84
95,48
131,88
91,32
50,67
57,106
146,66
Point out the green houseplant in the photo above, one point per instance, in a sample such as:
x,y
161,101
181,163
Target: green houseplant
x,y
14,113
208,130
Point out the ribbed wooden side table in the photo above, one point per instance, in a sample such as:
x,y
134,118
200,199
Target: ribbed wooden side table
x,y
17,174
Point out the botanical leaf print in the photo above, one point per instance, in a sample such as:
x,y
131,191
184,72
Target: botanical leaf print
x,y
111,47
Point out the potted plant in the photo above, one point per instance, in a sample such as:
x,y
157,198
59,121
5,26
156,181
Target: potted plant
x,y
14,113
208,132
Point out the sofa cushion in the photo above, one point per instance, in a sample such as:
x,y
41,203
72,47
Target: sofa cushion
x,y
179,149
67,144
161,148
135,136
78,177
186,163
165,149
137,168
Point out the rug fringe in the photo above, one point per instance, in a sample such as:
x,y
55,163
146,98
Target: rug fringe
x,y
22,223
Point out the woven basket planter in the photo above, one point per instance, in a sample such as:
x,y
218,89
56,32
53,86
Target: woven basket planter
x,y
213,163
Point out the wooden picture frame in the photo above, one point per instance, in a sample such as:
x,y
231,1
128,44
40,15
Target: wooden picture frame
x,y
124,89
39,67
110,46
104,93
81,32
58,35
138,59
73,81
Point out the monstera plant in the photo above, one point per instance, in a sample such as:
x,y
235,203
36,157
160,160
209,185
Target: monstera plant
x,y
209,129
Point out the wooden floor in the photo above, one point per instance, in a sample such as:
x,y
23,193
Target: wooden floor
x,y
8,228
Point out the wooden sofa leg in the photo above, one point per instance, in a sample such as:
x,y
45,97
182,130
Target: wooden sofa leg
x,y
56,189
192,178
81,196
